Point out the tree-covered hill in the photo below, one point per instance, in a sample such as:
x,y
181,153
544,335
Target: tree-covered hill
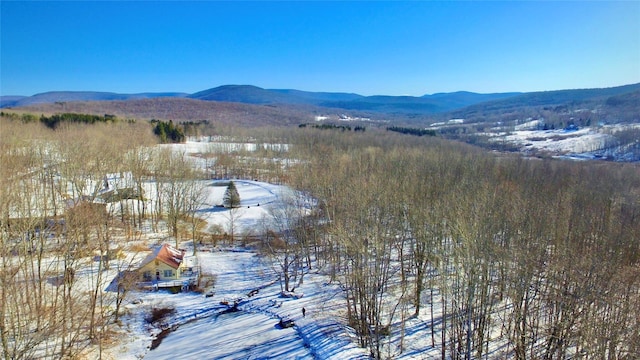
x,y
620,99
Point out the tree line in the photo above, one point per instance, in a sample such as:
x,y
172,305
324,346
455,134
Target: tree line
x,y
356,128
166,131
55,120
411,131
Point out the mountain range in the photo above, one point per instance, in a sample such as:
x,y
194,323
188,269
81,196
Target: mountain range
x,y
427,104
68,96
248,94
461,103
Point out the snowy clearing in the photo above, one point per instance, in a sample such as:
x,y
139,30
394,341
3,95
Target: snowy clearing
x,y
204,329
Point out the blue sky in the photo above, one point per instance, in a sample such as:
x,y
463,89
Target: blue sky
x,y
393,48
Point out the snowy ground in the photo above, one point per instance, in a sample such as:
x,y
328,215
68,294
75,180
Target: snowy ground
x,y
257,202
201,327
205,331
575,143
557,141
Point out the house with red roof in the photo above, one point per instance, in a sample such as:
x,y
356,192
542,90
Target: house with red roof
x,y
165,263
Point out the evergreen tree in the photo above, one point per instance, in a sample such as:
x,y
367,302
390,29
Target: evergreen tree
x,y
231,197
168,132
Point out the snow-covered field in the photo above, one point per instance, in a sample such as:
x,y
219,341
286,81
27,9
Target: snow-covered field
x,y
257,201
558,141
572,143
204,330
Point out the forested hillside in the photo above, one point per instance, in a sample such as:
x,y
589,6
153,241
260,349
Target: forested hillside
x,y
536,258
500,256
182,109
614,105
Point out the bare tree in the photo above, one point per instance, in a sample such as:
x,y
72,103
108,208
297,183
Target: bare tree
x,y
286,247
179,190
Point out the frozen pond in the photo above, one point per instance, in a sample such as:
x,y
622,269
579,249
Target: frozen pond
x,y
239,335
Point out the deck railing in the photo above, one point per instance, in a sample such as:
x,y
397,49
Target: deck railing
x,y
184,281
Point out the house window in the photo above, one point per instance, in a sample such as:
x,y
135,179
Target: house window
x,y
168,273
147,275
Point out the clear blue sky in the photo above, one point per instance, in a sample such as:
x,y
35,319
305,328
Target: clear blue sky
x,y
394,48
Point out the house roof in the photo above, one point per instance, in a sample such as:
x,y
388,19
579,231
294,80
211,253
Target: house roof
x,y
165,253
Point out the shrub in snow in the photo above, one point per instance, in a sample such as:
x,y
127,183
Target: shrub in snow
x,y
286,323
157,315
291,295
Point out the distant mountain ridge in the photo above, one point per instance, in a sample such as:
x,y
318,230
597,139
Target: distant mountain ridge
x,y
67,96
562,96
246,94
426,104
626,94
461,103
10,100
249,94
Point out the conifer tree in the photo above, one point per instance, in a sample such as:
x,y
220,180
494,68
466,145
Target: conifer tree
x,y
231,197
